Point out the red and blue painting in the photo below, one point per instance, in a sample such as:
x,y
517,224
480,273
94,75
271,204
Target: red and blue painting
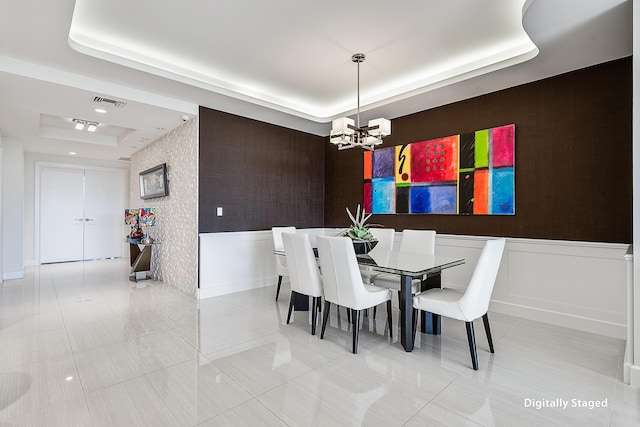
x,y
467,174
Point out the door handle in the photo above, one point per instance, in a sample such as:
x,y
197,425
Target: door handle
x,y
79,219
88,219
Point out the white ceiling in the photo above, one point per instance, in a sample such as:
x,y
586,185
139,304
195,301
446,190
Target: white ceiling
x,y
285,62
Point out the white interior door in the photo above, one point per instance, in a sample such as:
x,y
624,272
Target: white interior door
x,y
81,214
61,215
104,210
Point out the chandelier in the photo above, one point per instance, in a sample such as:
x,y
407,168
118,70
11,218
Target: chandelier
x,y
345,133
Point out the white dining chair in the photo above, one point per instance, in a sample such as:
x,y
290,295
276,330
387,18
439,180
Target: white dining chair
x,y
303,273
281,260
414,241
470,305
343,284
385,238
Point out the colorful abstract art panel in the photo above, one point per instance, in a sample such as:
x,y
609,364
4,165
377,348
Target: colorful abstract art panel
x,y
147,217
403,165
383,195
435,161
468,174
131,216
383,162
502,181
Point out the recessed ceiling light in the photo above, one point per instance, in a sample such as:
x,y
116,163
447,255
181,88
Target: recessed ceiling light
x,y
79,126
73,153
100,110
92,128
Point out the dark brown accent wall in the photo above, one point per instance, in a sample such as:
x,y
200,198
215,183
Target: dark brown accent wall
x,y
262,175
573,158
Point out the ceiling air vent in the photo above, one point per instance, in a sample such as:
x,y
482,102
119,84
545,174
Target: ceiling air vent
x,y
107,101
125,159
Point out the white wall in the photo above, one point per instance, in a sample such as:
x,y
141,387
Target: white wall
x,y
578,285
30,160
1,212
12,208
633,355
175,259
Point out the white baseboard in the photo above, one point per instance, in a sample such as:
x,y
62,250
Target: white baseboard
x,y
13,275
626,366
599,327
233,287
634,376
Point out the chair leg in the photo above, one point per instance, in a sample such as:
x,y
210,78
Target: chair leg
x,y
472,345
375,311
278,290
356,330
314,314
487,329
290,307
435,321
389,318
414,328
325,317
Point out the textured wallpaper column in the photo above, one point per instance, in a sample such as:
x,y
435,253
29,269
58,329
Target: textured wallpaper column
x,y
175,260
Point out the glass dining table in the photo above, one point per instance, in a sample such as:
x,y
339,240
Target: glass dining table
x,y
410,266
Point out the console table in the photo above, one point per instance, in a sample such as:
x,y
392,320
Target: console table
x,y
140,260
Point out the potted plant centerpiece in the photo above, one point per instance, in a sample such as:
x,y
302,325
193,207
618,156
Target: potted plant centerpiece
x,y
363,240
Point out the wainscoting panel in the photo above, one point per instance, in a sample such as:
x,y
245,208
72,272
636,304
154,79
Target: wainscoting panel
x,y
239,261
579,285
235,262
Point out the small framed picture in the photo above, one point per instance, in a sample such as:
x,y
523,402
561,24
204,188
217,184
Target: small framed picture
x,y
154,183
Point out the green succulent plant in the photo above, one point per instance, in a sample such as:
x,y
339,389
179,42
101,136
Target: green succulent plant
x,y
359,229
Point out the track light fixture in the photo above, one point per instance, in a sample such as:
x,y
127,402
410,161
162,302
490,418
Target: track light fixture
x,y
80,125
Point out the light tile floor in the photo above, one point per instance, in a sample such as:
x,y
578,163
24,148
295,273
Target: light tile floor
x,y
80,345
